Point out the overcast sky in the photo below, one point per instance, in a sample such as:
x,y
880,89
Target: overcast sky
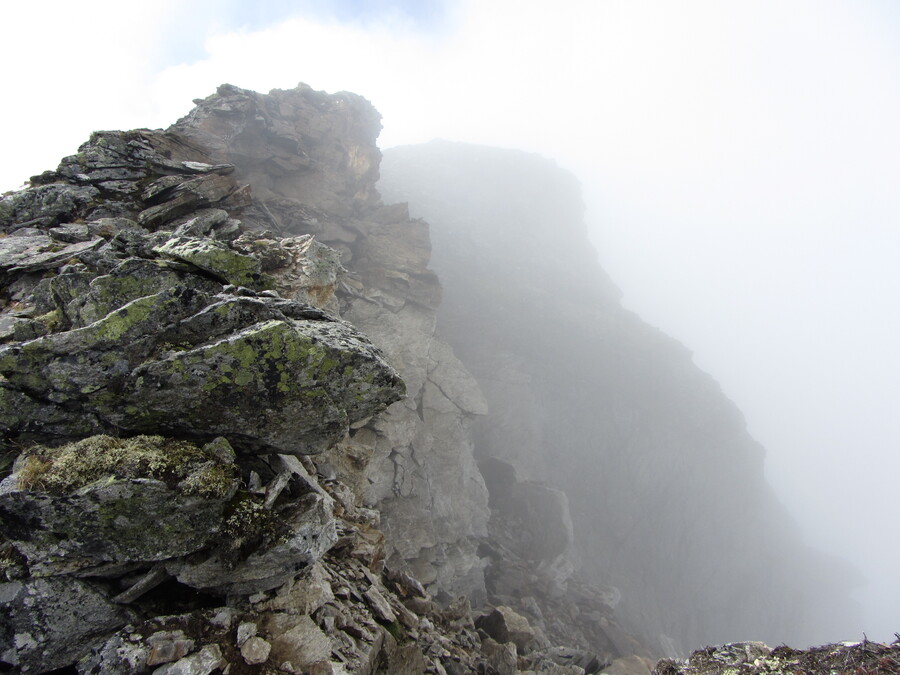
x,y
740,161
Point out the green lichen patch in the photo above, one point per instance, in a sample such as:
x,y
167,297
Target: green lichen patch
x,y
72,466
132,279
248,526
216,259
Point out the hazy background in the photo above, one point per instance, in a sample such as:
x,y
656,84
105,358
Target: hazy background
x,y
740,162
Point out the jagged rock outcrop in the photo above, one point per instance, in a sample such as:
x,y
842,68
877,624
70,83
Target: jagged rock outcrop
x,y
313,163
247,191
153,322
171,356
141,297
240,447
666,489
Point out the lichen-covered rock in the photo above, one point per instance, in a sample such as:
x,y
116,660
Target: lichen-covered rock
x,y
130,279
303,532
106,500
300,268
48,623
214,258
44,205
262,374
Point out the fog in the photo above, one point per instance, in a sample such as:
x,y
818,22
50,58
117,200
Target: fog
x,y
739,161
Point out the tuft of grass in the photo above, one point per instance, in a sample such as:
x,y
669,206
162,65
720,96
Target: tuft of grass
x,y
69,467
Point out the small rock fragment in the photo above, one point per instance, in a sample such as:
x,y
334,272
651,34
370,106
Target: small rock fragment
x,y
255,650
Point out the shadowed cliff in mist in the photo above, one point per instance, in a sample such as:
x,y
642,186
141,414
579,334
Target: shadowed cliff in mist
x,y
666,487
235,436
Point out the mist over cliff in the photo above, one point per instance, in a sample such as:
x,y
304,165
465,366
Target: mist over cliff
x,y
667,489
256,415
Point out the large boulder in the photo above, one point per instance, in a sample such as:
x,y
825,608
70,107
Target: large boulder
x,y
270,375
109,501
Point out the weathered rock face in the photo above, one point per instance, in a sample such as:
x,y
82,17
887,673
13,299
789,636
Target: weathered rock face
x,y
49,623
180,292
666,488
312,163
152,321
91,504
221,474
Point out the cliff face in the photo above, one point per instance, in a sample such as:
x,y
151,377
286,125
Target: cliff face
x,y
243,442
213,470
666,488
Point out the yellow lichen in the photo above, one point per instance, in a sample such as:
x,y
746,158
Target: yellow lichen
x,y
74,465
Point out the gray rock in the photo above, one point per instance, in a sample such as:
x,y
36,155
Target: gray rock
x,y
24,254
506,625
119,655
199,223
629,665
81,506
259,377
297,641
184,196
167,646
130,279
303,595
405,659
45,205
173,640
308,528
50,623
302,269
379,605
20,328
120,521
245,631
501,658
204,662
71,233
215,258
255,650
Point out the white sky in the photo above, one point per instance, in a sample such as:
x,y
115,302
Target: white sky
x,y
740,160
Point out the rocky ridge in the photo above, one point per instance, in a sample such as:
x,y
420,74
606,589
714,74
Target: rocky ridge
x,y
238,445
234,443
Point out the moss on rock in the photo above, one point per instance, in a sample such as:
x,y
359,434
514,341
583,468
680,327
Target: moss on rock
x,y
75,465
